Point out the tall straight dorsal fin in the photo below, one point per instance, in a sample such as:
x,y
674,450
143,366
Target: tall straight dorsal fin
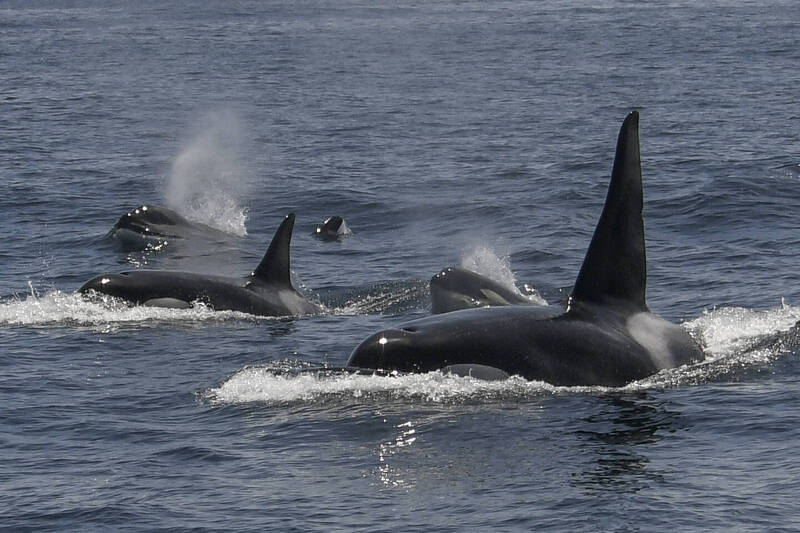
x,y
614,271
274,267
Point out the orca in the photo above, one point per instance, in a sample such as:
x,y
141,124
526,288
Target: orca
x,y
158,225
332,229
455,288
606,335
267,291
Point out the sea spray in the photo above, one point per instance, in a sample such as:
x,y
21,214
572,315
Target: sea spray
x,y
485,261
207,180
104,313
729,335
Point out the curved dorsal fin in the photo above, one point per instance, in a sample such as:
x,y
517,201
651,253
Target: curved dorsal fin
x,y
274,267
614,271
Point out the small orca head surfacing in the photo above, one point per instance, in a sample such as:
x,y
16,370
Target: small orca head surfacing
x,y
267,291
152,223
332,229
455,288
605,336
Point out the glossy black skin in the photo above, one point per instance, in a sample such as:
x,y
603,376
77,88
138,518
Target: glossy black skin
x,y
332,229
248,294
588,346
267,291
605,336
455,288
151,223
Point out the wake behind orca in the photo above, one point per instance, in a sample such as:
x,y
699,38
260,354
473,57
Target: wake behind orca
x,y
267,291
606,335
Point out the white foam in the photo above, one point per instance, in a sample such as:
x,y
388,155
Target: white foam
x,y
727,330
381,301
728,335
56,308
264,385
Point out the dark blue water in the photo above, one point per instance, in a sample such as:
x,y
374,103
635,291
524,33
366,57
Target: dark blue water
x,y
476,133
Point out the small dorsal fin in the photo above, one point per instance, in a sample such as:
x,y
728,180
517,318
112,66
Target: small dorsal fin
x,y
274,267
614,270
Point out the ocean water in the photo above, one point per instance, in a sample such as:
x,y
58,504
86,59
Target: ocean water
x,y
467,133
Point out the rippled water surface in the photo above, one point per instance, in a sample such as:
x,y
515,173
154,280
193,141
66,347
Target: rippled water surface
x,y
445,133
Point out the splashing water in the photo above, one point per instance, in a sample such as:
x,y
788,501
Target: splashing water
x,y
207,179
385,297
483,260
60,309
264,384
729,335
486,262
730,329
